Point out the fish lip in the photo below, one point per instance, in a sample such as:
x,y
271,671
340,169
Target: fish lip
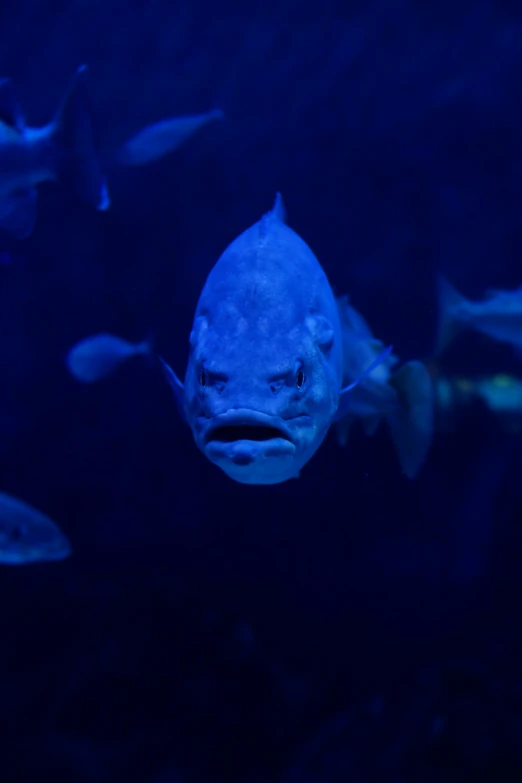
x,y
245,452
245,416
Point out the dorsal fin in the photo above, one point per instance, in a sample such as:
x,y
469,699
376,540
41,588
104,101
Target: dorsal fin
x,y
276,215
10,109
278,210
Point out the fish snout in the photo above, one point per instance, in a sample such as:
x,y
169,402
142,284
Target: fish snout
x,y
249,446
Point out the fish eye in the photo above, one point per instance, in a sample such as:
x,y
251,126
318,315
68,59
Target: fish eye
x,y
300,378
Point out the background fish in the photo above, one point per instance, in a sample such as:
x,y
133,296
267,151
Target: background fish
x,y
501,394
404,398
65,150
157,140
94,358
499,315
27,535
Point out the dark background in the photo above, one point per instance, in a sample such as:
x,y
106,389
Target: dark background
x,y
352,626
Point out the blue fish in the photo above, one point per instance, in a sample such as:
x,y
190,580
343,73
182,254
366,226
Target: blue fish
x,y
499,315
98,356
27,535
63,150
264,380
163,137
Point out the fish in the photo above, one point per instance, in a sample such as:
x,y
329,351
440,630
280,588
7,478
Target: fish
x,y
498,316
64,150
264,379
27,535
501,394
98,356
404,398
163,137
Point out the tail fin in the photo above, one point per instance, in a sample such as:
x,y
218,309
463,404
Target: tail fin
x,y
148,345
73,130
411,426
450,301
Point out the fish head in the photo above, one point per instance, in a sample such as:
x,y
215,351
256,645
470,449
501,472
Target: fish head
x,y
260,399
32,540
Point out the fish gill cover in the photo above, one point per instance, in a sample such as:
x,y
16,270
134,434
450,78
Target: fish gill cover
x,y
356,617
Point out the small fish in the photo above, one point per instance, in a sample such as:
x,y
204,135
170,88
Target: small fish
x,y
502,394
27,535
264,379
499,315
404,399
156,141
64,150
98,356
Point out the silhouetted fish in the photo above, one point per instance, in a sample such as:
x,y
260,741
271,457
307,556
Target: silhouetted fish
x,y
157,140
94,358
499,315
63,150
27,535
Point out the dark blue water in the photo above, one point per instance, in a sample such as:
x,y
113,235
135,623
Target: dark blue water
x,y
351,625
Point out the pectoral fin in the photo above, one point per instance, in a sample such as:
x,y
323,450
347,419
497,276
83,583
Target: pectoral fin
x,y
344,394
176,386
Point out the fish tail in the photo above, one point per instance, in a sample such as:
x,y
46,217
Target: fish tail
x,y
73,131
148,345
411,425
450,301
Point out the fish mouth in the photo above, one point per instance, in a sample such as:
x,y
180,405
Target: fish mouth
x,y
244,435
